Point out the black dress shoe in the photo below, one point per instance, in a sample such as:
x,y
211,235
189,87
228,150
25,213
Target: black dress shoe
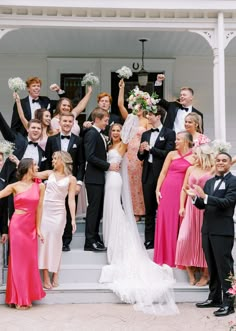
x,y
94,247
224,311
208,304
149,244
66,248
100,244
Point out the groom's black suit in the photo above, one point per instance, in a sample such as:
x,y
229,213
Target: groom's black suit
x,y
218,235
96,157
164,143
172,110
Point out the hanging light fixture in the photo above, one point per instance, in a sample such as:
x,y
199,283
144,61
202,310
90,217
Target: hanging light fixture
x,y
142,74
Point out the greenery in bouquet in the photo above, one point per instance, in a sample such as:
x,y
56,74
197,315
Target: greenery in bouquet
x,y
90,79
6,147
16,84
142,100
124,72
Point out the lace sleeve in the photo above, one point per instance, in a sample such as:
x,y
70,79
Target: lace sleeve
x,y
128,129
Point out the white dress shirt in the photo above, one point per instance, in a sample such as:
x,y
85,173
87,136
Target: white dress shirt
x,y
32,152
65,142
153,138
179,119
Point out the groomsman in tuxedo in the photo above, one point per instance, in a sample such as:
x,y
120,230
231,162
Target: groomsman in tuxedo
x,y
33,102
104,101
177,111
68,142
25,147
218,199
96,157
154,147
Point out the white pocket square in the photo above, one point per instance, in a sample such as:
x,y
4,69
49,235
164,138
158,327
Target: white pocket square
x,y
162,138
43,158
222,186
74,146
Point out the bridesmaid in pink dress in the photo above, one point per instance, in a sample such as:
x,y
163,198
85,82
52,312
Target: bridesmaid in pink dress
x,y
168,190
135,166
23,279
189,252
193,125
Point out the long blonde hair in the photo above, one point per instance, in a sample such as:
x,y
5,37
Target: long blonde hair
x,y
66,160
205,156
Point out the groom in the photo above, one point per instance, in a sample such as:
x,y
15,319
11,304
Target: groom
x,y
155,145
96,156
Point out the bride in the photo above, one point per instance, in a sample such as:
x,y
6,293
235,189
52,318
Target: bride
x,y
130,274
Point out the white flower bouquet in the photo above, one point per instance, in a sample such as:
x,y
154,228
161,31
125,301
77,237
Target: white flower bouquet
x,y
220,146
6,147
90,79
124,72
16,84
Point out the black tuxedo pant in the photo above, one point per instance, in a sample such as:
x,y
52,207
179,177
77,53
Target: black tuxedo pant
x,y
218,253
67,235
149,194
95,194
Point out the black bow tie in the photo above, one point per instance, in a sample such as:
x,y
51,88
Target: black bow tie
x,y
35,100
155,130
32,143
65,137
184,108
218,177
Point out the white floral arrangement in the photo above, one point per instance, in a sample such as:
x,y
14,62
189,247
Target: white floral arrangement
x,y
220,146
90,79
16,84
142,100
124,72
6,147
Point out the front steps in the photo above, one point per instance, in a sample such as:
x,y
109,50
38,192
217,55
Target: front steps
x,y
80,272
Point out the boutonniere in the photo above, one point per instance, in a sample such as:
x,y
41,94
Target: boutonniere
x,y
162,138
74,146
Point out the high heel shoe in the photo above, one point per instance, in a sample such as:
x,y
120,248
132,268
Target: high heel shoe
x,y
47,286
18,307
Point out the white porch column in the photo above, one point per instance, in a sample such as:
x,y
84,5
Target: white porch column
x,y
219,80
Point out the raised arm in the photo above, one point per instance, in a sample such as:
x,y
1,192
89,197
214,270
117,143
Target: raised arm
x,y
22,117
8,190
43,174
123,110
83,103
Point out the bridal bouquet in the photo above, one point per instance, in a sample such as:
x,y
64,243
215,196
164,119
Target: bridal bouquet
x,y
6,147
90,79
232,291
16,84
142,100
124,72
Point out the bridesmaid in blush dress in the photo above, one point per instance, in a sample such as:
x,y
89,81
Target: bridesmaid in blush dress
x,y
134,164
23,279
60,184
189,252
168,190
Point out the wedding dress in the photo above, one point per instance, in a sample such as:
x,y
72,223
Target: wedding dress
x,y
131,274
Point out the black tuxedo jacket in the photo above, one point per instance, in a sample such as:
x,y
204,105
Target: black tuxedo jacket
x,y
96,157
21,142
75,148
219,210
164,144
172,109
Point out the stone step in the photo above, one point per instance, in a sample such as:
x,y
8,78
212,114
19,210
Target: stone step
x,y
99,293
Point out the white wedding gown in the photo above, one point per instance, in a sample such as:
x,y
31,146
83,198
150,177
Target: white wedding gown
x,y
131,274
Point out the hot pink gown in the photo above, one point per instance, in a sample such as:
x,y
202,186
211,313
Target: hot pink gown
x,y
189,250
168,220
23,279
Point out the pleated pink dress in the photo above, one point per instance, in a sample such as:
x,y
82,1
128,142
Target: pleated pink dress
x,y
189,250
168,220
23,280
53,223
